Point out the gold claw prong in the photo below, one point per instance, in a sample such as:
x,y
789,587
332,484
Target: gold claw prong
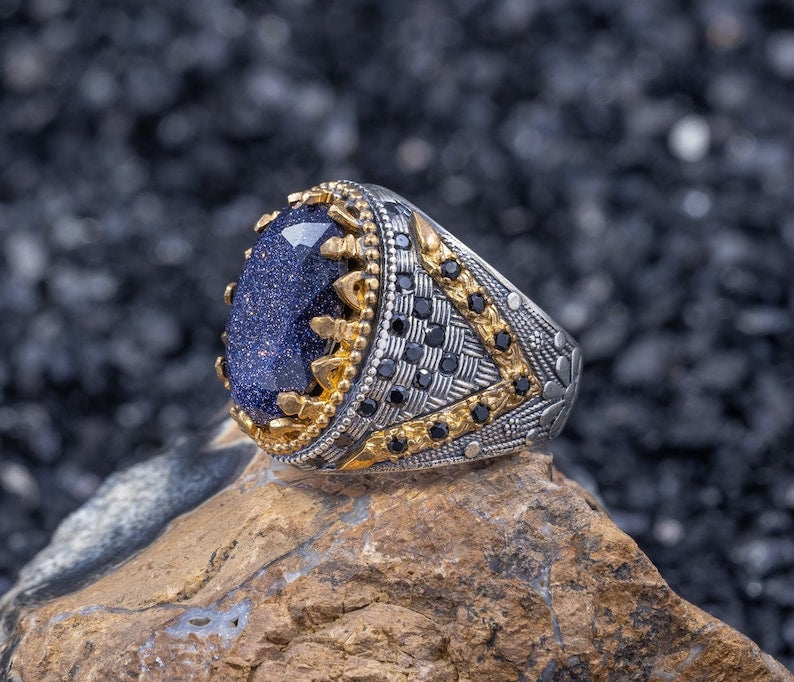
x,y
426,234
284,426
348,288
297,405
310,197
337,248
341,216
248,253
224,337
265,220
324,369
330,328
220,370
317,196
228,295
243,419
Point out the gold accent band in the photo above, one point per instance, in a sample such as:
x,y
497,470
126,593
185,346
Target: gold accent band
x,y
499,398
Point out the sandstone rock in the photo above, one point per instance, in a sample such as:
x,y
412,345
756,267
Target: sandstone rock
x,y
500,571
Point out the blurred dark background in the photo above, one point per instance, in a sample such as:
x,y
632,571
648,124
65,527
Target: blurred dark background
x,y
629,164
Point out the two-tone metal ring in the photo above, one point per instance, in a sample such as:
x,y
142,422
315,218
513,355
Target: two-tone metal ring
x,y
364,336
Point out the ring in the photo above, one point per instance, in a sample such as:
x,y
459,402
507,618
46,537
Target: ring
x,y
364,336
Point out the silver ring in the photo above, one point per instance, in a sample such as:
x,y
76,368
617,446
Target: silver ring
x,y
364,337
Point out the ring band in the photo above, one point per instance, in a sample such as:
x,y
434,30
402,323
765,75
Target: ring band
x,y
364,336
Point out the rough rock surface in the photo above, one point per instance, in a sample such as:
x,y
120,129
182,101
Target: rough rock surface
x,y
500,571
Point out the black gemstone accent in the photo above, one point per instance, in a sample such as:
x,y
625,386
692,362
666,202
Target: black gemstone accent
x,y
397,445
502,340
368,407
479,413
423,379
450,269
399,324
401,241
423,308
398,395
476,303
438,431
521,385
449,363
434,336
413,352
397,207
405,282
386,369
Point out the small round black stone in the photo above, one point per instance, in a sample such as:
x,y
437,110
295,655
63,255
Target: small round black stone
x,y
405,282
401,241
399,324
502,340
423,308
434,336
368,407
397,445
476,303
386,369
450,269
413,352
521,385
479,413
449,363
398,395
423,379
438,431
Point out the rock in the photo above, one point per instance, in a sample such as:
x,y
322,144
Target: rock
x,y
497,571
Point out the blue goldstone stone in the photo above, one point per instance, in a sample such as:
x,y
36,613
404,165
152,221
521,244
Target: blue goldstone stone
x,y
284,284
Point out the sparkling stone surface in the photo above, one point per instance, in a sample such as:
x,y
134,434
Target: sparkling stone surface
x,y
368,407
402,242
413,352
423,379
405,282
397,445
398,395
423,308
521,385
434,336
449,363
399,324
502,340
480,413
387,368
284,284
450,269
476,303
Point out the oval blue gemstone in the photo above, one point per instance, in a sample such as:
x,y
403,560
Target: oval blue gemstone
x,y
284,284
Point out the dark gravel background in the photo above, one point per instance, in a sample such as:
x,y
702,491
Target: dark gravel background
x,y
629,164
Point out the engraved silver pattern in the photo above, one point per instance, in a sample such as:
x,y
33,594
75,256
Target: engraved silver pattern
x,y
554,356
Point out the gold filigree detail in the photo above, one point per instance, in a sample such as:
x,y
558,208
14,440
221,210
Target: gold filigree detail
x,y
499,398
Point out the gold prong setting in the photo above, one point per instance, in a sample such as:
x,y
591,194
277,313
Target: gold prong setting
x,y
307,416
